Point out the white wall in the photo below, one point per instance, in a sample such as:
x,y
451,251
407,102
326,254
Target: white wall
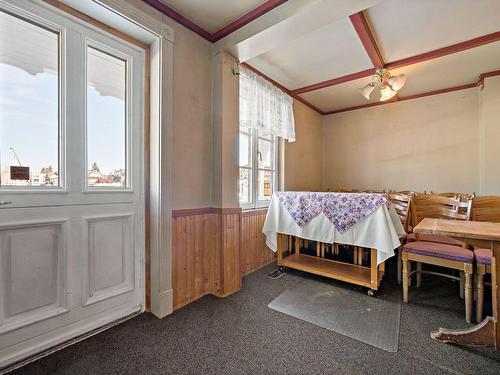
x,y
489,128
303,157
430,143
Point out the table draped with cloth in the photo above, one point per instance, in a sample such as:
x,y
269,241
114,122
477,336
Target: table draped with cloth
x,y
359,219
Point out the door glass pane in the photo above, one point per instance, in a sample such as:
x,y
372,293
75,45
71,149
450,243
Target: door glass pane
x,y
265,185
245,185
265,154
106,120
29,104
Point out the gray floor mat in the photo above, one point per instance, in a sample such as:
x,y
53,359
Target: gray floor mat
x,y
345,309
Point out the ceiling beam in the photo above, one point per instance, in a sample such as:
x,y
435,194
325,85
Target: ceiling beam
x,y
335,81
295,19
282,88
455,48
247,18
365,34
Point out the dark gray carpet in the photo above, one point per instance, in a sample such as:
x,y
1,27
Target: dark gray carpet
x,y
352,313
241,335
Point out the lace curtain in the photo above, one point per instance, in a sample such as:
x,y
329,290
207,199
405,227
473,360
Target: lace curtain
x,y
265,107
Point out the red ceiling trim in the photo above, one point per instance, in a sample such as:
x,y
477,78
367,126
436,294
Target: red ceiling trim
x,y
365,34
335,81
247,18
226,30
488,74
459,47
165,9
403,98
282,88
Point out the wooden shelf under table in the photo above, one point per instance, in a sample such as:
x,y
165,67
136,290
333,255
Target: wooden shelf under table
x,y
350,273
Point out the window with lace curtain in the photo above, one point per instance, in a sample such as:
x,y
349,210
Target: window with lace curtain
x,y
266,115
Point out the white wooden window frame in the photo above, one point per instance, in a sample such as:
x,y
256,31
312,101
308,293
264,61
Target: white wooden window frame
x,y
254,168
90,43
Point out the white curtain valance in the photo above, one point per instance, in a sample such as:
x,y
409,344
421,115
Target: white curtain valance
x,y
265,107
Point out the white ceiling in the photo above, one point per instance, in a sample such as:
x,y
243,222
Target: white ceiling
x,y
332,50
303,43
213,15
444,72
406,28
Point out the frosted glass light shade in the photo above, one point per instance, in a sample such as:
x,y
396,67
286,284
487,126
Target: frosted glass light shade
x,y
367,90
397,82
387,93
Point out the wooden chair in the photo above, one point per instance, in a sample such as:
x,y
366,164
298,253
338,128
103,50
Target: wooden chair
x,y
437,238
483,209
401,202
437,253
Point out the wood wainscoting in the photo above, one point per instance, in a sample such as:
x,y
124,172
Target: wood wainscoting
x,y
213,248
254,253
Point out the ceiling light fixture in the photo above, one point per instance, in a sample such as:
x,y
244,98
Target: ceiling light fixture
x,y
388,85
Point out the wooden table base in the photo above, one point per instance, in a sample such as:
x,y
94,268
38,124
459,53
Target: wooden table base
x,y
482,335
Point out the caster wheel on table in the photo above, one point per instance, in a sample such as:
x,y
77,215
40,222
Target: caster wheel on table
x,y
372,293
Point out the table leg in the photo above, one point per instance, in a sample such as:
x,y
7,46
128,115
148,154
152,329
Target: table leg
x,y
279,253
486,333
373,269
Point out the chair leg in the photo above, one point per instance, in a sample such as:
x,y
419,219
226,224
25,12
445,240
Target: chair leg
x,y
399,266
480,293
355,255
462,285
405,277
468,297
419,274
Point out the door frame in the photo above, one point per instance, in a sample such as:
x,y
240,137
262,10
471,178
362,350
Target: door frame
x,y
152,32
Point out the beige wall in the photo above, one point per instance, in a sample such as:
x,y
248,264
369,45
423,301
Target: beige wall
x,y
192,122
489,124
225,132
303,157
430,143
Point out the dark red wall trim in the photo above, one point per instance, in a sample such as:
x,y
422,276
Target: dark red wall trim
x,y
476,42
335,81
247,18
459,47
226,30
165,9
362,27
489,74
205,211
403,98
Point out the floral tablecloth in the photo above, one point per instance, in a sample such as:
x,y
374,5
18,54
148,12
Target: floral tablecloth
x,y
359,219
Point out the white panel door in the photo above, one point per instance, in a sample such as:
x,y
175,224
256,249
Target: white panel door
x,y
71,178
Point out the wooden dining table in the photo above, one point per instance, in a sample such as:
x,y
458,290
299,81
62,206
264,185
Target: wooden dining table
x,y
484,235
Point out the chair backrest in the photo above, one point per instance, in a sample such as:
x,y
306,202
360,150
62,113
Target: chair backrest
x,y
401,202
439,207
486,209
375,191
